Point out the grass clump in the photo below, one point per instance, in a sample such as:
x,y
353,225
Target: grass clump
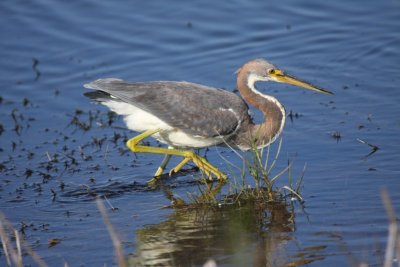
x,y
261,165
257,182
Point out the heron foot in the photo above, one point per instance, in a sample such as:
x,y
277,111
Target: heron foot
x,y
188,155
201,163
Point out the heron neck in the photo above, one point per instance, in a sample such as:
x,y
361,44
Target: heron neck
x,y
263,134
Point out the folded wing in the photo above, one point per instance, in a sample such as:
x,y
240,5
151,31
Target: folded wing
x,y
192,108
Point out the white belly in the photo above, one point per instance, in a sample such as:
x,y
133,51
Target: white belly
x,y
138,120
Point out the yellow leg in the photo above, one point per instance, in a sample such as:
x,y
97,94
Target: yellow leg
x,y
179,166
203,164
164,163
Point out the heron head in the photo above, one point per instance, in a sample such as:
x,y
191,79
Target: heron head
x,y
262,70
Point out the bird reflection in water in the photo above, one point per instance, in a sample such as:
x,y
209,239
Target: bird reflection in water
x,y
254,234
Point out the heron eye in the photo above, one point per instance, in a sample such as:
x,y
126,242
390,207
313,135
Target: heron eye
x,y
271,71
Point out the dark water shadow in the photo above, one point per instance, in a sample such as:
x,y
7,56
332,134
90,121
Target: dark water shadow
x,y
115,188
88,192
250,235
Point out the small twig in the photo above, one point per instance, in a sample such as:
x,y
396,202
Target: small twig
x,y
10,254
116,242
109,203
4,243
393,234
34,256
374,148
294,193
48,156
11,251
19,251
106,153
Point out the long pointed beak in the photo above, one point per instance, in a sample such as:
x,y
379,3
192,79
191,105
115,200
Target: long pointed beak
x,y
280,76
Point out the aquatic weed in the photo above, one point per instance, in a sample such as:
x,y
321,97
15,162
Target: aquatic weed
x,y
256,182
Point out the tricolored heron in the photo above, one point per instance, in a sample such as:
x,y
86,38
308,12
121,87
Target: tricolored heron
x,y
187,116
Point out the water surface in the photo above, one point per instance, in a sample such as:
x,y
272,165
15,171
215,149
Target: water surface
x,y
58,151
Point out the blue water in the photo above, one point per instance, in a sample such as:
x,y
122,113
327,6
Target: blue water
x,y
350,48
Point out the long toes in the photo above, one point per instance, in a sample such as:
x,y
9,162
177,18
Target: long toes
x,y
207,168
222,177
152,182
208,174
172,171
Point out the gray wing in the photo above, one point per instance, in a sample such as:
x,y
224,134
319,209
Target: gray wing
x,y
193,108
